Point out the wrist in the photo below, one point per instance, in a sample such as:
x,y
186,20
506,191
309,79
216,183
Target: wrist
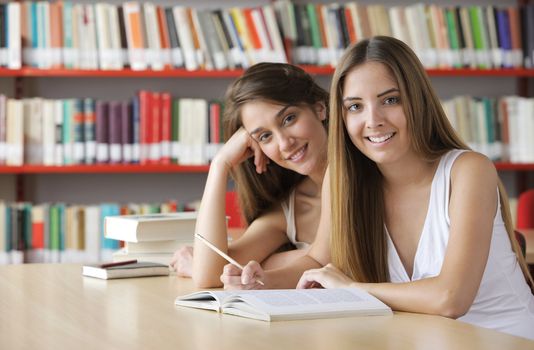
x,y
220,165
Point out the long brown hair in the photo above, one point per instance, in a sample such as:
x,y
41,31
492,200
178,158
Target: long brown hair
x,y
359,241
278,83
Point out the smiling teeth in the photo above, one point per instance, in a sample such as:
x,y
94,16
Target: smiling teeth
x,y
380,138
298,154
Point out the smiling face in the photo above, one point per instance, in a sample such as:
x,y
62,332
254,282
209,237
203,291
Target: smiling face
x,y
373,114
291,136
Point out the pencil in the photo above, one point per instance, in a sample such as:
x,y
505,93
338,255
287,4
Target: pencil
x,y
221,253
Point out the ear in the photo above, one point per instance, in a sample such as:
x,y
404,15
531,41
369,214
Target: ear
x,y
320,110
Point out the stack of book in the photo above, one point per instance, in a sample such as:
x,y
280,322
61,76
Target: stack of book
x,y
152,237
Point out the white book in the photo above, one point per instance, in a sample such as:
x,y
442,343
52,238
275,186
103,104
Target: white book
x,y
3,124
153,53
279,54
167,246
33,130
92,233
138,269
48,131
288,304
199,124
150,227
183,27
185,132
105,51
15,133
123,255
14,35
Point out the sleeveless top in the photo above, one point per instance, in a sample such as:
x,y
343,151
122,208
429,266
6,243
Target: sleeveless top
x,y
504,301
288,206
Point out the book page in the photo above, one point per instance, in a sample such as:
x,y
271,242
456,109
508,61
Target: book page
x,y
209,300
304,303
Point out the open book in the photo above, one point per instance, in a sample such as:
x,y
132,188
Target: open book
x,y
288,304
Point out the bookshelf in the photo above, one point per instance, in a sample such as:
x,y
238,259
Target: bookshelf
x,y
86,184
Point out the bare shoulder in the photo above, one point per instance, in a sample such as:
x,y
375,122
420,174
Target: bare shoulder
x,y
474,167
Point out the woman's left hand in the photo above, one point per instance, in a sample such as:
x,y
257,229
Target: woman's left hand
x,y
328,276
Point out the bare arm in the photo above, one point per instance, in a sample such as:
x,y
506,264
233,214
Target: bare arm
x,y
472,207
287,276
211,221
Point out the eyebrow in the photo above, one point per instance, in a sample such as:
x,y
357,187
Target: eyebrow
x,y
350,98
277,115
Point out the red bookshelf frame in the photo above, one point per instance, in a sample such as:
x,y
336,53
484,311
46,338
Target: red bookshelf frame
x,y
104,169
233,73
164,168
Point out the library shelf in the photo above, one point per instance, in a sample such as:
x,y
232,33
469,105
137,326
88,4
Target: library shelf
x,y
234,73
164,168
104,169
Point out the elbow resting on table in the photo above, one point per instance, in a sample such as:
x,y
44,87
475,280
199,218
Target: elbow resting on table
x,y
452,305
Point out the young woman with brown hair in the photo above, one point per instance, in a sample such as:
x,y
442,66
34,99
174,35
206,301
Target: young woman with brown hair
x,y
275,120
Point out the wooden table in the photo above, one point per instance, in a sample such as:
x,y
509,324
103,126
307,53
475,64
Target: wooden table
x,y
52,306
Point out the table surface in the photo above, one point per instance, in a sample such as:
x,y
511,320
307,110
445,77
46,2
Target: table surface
x,y
51,306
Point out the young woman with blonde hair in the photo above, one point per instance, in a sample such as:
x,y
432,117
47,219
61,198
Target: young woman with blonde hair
x,y
409,213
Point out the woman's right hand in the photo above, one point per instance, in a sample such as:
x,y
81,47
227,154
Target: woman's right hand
x,y
235,278
239,148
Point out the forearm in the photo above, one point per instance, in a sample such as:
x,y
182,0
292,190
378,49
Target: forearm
x,y
288,276
211,223
430,296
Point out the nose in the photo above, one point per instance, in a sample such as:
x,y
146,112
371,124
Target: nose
x,y
286,141
375,118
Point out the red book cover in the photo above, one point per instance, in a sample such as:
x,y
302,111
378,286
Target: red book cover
x,y
155,144
163,32
215,122
256,43
350,26
37,227
145,124
165,128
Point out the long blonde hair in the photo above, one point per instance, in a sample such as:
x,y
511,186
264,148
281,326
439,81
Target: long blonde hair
x,y
278,83
358,240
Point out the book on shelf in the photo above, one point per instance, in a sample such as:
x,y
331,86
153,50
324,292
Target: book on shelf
x,y
150,227
138,269
288,304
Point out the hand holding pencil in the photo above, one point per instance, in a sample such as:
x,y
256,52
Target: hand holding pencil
x,y
224,255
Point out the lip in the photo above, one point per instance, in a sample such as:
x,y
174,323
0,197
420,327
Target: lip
x,y
298,154
381,138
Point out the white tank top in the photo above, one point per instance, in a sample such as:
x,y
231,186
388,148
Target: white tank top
x,y
504,301
288,207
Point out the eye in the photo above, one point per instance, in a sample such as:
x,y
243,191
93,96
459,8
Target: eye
x,y
354,107
264,137
393,100
288,119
